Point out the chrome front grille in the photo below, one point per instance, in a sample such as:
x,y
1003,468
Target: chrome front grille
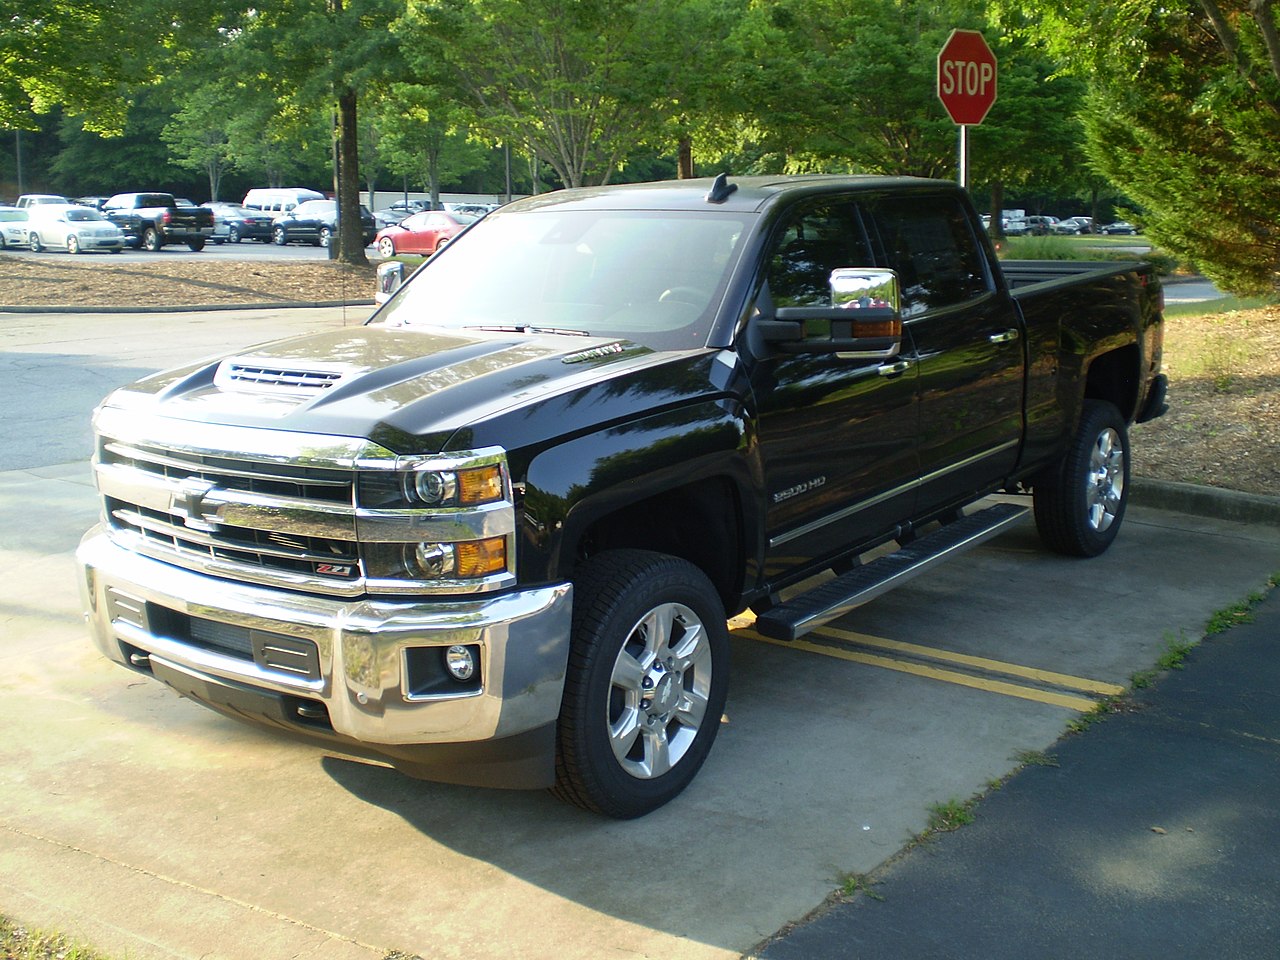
x,y
298,511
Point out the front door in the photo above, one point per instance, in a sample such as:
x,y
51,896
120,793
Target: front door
x,y
837,434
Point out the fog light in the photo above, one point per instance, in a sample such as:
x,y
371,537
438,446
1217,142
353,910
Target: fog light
x,y
460,662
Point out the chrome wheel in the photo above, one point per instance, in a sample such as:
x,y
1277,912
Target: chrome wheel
x,y
1105,484
386,247
659,689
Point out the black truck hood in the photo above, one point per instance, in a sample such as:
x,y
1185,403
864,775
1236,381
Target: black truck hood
x,y
423,390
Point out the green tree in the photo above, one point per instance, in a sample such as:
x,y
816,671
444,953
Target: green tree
x,y
317,53
425,138
572,81
1183,114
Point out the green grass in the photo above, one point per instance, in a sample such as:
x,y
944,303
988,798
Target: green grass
x,y
950,815
852,884
20,943
1228,304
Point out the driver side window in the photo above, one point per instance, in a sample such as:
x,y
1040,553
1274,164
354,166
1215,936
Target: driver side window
x,y
816,238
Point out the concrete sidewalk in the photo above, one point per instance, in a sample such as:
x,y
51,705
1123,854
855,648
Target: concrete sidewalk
x,y
1155,833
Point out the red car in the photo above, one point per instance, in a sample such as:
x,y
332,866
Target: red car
x,y
424,232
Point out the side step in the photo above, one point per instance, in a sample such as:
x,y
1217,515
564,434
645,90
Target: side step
x,y
835,598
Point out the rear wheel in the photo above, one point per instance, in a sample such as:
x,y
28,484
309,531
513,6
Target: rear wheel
x,y
151,239
646,683
1080,503
196,244
233,234
326,236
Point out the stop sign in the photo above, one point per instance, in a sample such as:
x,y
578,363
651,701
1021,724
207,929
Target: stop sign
x,y
967,77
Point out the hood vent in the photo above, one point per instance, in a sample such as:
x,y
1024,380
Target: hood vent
x,y
260,376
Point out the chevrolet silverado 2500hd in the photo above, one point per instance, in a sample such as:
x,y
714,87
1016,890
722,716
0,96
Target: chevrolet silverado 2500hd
x,y
493,535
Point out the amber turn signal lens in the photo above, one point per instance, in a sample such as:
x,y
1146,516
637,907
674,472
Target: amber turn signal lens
x,y
479,558
482,485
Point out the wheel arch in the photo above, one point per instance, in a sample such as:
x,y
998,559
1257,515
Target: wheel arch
x,y
683,492
1116,377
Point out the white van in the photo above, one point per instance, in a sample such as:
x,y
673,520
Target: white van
x,y
278,200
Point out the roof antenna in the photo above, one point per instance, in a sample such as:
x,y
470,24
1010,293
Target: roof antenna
x,y
721,189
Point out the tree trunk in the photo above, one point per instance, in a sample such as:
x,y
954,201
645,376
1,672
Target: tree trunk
x,y
684,153
350,230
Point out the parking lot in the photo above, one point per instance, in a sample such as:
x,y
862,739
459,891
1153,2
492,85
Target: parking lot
x,y
216,839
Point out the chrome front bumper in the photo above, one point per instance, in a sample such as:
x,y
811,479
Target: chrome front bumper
x,y
359,670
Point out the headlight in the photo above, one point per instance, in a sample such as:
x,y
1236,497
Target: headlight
x,y
430,486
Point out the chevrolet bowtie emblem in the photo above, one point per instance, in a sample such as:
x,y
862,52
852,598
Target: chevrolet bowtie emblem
x,y
188,503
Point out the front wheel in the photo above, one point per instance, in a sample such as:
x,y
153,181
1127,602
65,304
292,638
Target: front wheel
x,y
33,241
73,244
1080,503
645,689
386,248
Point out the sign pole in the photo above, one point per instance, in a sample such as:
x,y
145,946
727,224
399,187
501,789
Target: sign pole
x,y
967,84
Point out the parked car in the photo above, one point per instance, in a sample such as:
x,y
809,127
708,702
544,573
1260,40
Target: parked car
x,y
1073,226
1120,226
13,227
1041,226
73,228
37,199
316,221
388,217
1017,228
424,232
233,223
150,220
95,202
278,200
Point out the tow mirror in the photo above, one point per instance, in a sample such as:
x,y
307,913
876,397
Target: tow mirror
x,y
862,322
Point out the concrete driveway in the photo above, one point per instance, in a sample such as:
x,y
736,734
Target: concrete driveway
x,y
146,825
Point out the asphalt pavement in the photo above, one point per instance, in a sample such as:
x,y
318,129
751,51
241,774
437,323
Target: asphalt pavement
x,y
1153,834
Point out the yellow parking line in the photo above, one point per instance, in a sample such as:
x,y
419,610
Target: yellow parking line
x,y
993,666
1070,702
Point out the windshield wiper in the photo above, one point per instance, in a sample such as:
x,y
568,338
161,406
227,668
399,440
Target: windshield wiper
x,y
527,328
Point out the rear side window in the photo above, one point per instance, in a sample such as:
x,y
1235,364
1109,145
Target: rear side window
x,y
929,241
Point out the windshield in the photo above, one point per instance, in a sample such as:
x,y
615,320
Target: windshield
x,y
85,214
652,277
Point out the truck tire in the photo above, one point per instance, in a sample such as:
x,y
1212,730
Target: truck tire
x,y
646,682
151,239
196,244
1080,503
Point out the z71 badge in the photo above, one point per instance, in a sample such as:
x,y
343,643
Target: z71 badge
x,y
798,489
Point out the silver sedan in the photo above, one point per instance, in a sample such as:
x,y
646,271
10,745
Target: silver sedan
x,y
72,228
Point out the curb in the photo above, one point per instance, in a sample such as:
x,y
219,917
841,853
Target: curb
x,y
1205,501
191,308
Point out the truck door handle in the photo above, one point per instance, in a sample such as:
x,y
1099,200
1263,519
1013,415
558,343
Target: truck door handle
x,y
1006,336
893,369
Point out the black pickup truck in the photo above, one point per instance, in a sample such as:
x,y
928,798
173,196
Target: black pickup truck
x,y
150,220
494,535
